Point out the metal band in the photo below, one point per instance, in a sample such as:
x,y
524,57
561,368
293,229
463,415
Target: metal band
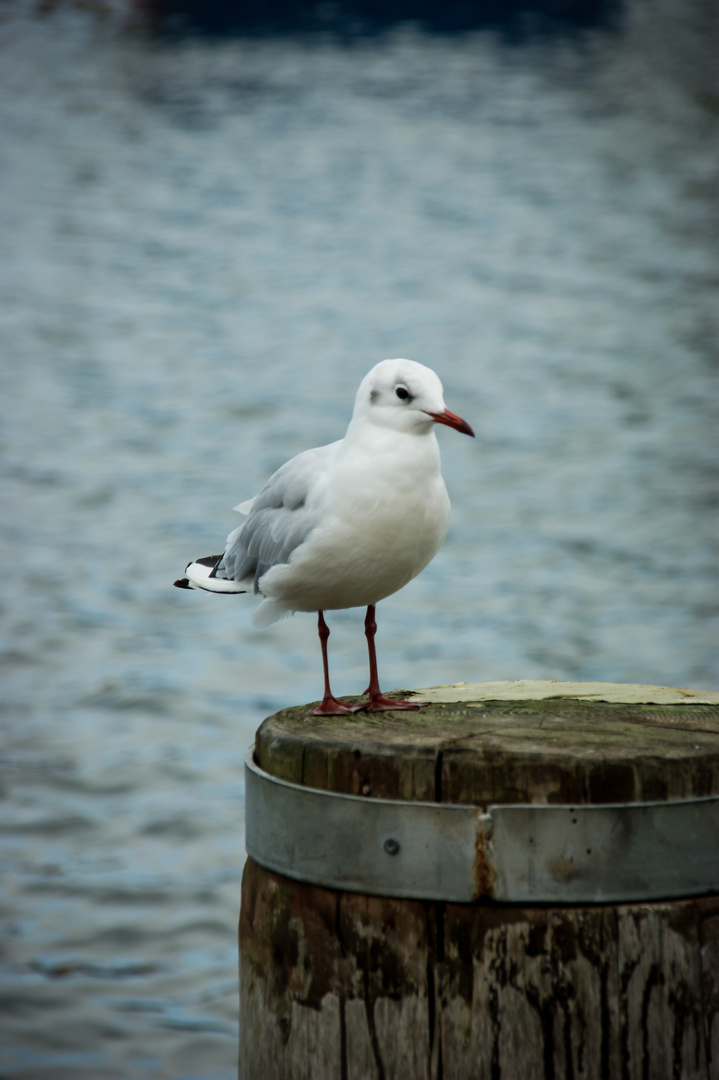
x,y
514,854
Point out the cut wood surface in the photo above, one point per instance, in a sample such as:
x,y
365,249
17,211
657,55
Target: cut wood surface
x,y
539,689
483,752
341,986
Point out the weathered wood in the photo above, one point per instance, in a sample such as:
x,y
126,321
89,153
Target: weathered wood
x,y
554,751
336,985
660,980
347,971
709,953
532,993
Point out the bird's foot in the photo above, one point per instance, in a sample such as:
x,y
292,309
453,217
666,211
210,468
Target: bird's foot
x,y
332,706
380,703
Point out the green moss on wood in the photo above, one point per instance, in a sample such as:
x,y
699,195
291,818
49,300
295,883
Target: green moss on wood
x,y
555,750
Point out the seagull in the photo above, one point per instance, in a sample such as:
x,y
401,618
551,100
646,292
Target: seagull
x,y
347,524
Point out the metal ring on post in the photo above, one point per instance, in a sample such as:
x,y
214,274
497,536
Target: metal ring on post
x,y
536,853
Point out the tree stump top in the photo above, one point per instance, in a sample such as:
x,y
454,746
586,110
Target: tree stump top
x,y
524,743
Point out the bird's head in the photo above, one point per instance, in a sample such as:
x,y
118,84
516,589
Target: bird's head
x,y
406,396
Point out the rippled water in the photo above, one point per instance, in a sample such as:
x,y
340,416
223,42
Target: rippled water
x,y
204,247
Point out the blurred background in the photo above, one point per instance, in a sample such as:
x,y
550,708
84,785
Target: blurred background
x,y
213,221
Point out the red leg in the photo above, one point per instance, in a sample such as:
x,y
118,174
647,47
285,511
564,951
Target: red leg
x,y
377,701
330,706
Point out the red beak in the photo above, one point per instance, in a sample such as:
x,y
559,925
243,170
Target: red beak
x,y
452,420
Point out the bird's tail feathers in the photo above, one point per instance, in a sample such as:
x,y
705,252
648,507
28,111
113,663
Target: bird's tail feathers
x,y
200,575
268,612
245,507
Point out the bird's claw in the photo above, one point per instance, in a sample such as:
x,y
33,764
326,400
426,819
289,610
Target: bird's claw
x,y
334,707
380,703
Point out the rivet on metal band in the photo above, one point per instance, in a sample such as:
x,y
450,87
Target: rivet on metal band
x,y
536,853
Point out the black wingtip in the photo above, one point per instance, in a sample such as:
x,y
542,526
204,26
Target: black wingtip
x,y
206,560
211,560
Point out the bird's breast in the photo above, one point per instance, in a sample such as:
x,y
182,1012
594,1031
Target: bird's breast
x,y
371,540
381,517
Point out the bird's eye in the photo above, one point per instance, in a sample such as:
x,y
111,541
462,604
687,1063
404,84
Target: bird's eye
x,y
403,393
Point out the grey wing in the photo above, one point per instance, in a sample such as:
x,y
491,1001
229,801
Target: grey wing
x,y
281,518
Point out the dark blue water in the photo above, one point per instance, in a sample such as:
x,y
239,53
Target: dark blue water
x,y
204,246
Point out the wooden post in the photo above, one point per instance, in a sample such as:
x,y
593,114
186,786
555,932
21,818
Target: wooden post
x,y
342,986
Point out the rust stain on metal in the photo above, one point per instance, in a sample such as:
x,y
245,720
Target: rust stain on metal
x,y
562,869
484,876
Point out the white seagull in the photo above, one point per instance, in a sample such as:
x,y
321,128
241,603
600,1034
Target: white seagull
x,y
347,524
